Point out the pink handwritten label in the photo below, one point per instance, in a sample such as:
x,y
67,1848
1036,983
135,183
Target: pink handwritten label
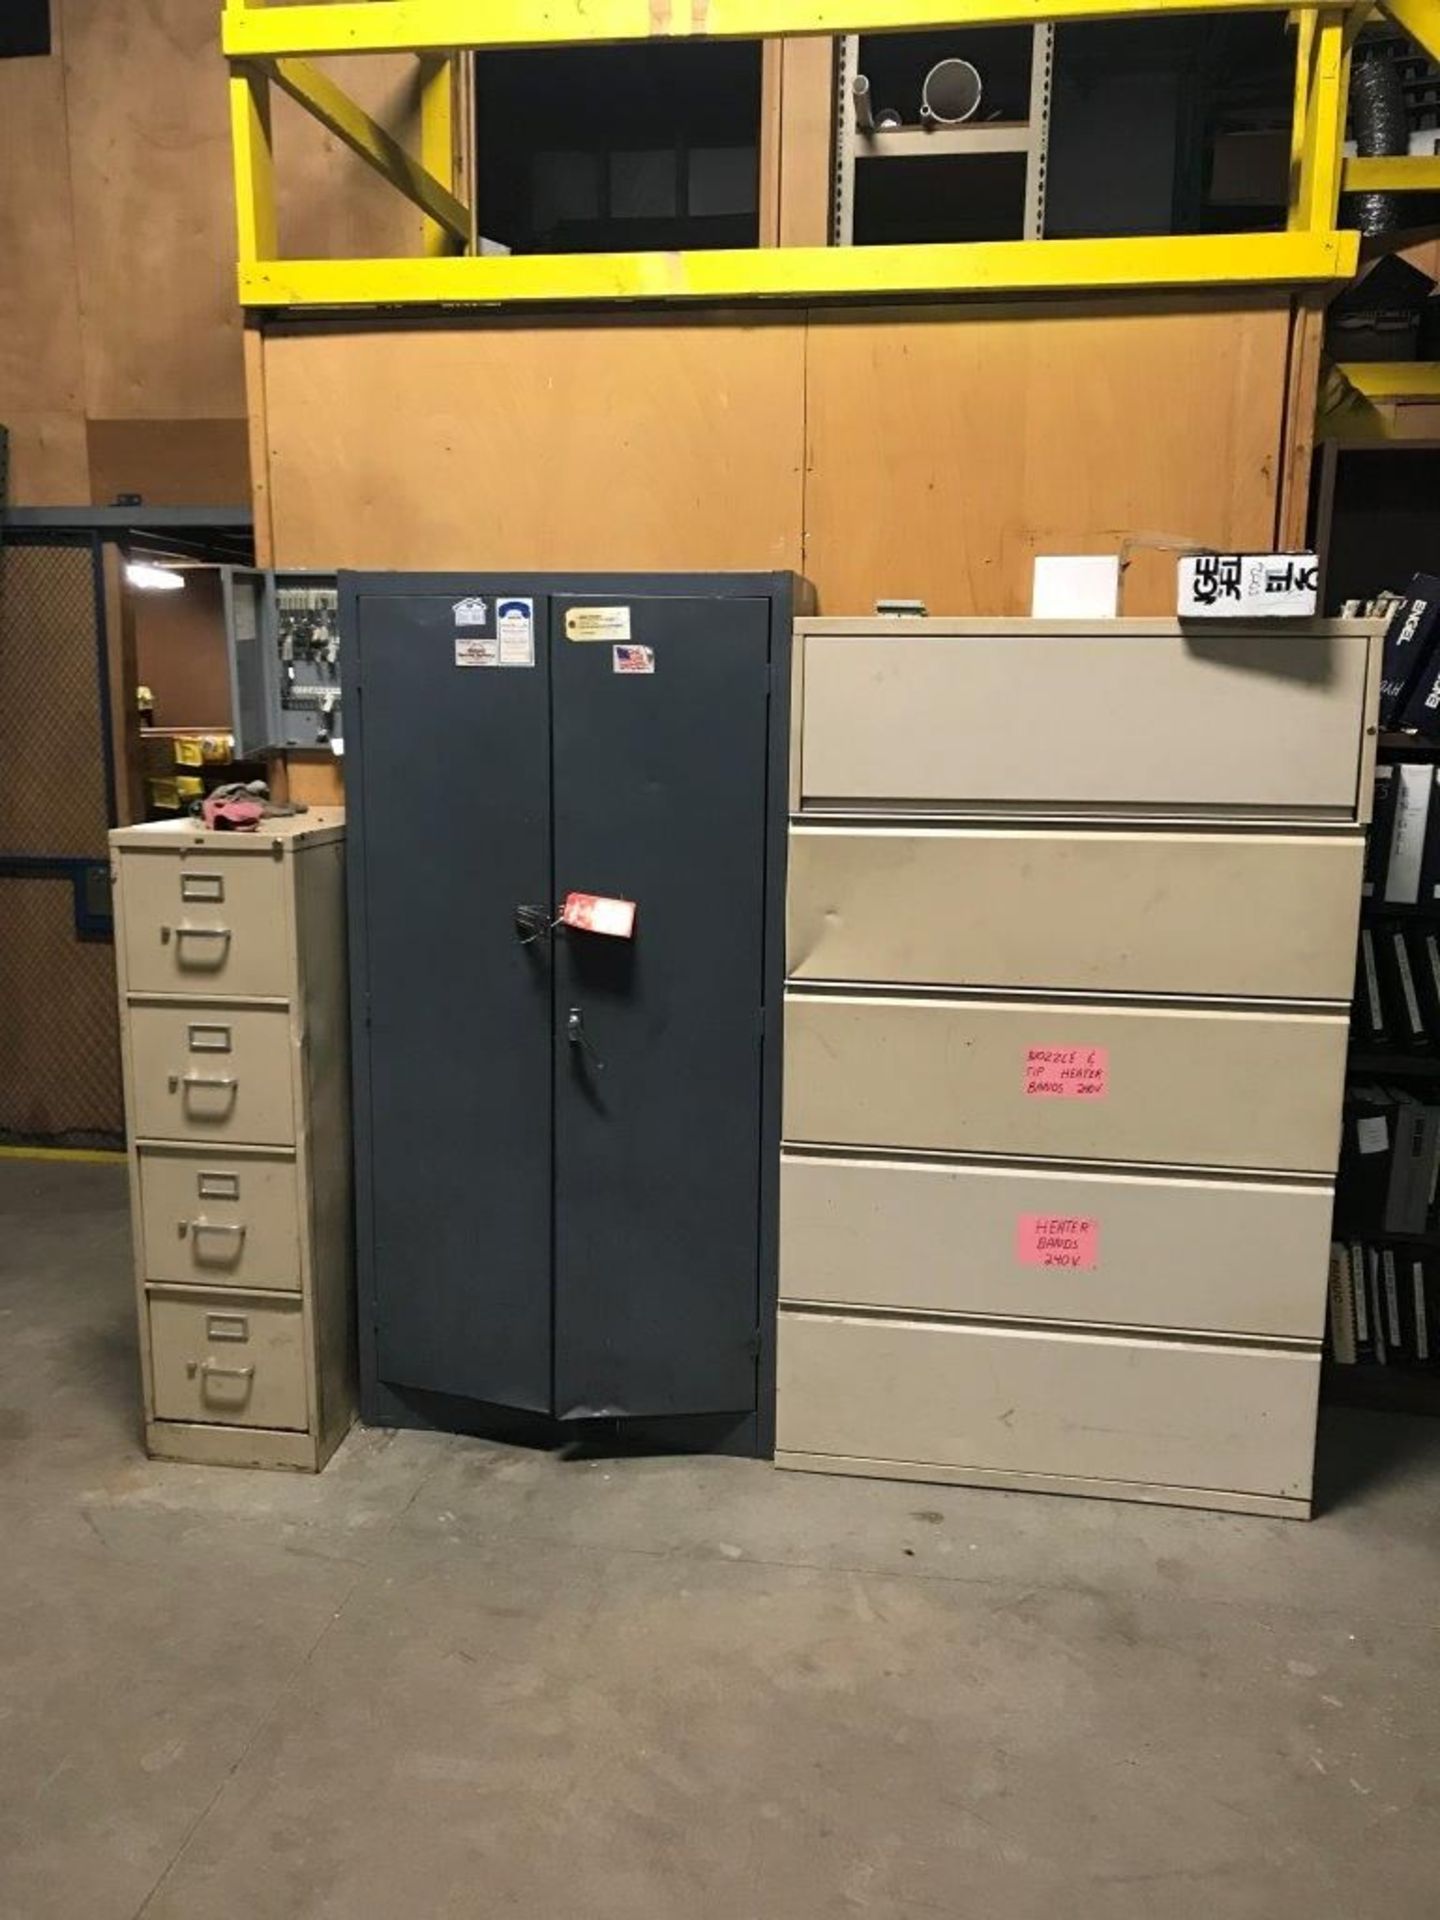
x,y
1066,1073
1057,1240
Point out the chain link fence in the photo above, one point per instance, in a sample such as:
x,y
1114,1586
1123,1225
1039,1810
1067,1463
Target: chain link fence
x,y
59,1026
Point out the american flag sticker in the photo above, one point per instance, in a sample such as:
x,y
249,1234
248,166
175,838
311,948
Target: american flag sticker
x,y
633,659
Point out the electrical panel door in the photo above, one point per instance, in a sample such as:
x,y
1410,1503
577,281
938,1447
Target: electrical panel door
x,y
283,634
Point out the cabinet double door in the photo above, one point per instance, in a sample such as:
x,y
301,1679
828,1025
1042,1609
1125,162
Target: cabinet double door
x,y
560,1191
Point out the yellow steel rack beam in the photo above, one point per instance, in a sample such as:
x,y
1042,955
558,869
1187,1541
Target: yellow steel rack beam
x,y
334,109
1413,380
265,43
380,26
437,148
1415,173
1380,403
1420,19
808,273
254,155
1322,64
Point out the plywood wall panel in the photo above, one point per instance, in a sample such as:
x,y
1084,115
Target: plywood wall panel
x,y
47,458
41,368
330,204
628,443
154,222
807,131
169,463
946,447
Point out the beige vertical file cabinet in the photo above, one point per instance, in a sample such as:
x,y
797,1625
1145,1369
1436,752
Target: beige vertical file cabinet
x,y
1071,931
233,1008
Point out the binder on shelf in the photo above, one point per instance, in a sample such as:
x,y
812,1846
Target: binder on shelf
x,y
1390,1290
1367,1141
1421,711
1400,1001
1369,1007
1424,949
1408,639
1372,1288
1413,1165
1342,1308
1430,865
1422,1312
1377,843
1409,826
1359,1293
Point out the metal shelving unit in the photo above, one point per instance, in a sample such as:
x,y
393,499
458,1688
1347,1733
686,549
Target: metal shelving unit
x,y
1030,137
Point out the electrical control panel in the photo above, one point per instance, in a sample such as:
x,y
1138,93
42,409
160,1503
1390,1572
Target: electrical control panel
x,y
283,631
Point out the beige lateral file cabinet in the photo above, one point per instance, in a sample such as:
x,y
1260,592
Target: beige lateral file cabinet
x,y
1071,934
231,955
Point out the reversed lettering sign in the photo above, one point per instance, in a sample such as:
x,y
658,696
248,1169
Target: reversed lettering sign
x,y
1066,1073
1226,586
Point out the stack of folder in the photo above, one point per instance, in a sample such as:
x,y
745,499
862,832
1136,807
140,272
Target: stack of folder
x,y
1384,1305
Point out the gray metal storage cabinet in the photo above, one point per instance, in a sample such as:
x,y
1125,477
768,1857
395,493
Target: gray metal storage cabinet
x,y
1072,917
567,1144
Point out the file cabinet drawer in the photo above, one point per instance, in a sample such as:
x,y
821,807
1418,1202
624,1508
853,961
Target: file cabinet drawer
x,y
220,1221
1179,1086
1231,722
1116,1249
212,1073
212,923
1246,915
228,1361
1063,1405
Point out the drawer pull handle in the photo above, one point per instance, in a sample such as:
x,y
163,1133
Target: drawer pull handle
x,y
182,934
211,1370
220,1083
216,1257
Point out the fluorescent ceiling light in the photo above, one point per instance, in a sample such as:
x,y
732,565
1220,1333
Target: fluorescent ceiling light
x,y
153,579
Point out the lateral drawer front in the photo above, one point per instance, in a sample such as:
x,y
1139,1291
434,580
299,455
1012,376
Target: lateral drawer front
x,y
212,1073
228,1360
1203,1255
1229,721
1169,1414
220,1222
211,922
1181,1087
1176,913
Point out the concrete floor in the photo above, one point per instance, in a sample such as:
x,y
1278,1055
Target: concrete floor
x,y
449,1680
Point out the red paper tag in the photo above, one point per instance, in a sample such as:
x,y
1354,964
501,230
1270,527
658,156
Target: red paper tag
x,y
596,913
1057,1240
1066,1073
